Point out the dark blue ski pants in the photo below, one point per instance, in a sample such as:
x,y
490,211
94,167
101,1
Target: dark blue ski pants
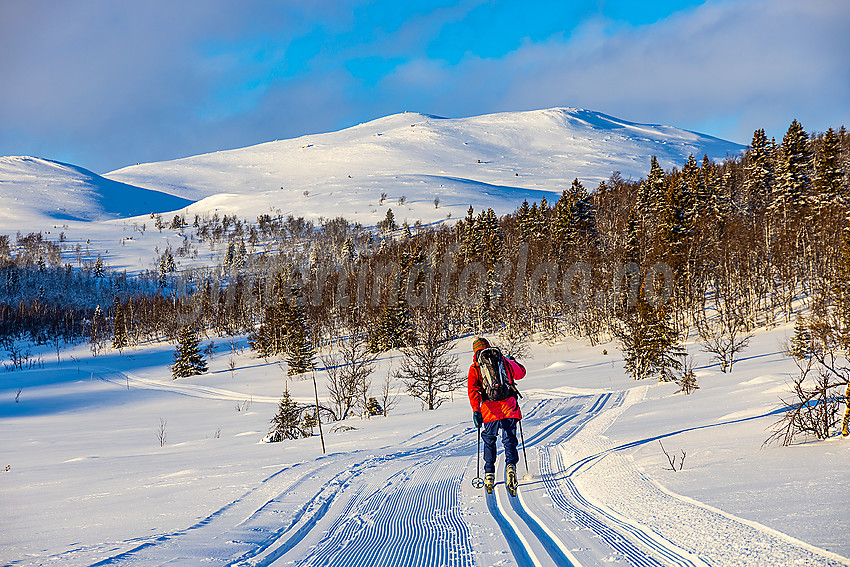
x,y
509,442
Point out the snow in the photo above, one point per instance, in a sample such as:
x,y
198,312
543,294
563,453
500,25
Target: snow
x,y
90,484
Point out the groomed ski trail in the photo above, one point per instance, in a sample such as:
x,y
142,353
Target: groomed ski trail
x,y
414,505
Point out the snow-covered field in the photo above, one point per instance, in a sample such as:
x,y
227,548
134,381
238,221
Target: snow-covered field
x,y
90,483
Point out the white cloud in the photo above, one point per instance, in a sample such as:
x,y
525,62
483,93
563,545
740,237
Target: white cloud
x,y
739,65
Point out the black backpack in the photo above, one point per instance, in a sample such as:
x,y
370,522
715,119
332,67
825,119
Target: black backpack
x,y
496,381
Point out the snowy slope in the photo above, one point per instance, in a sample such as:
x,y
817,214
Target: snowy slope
x,y
485,161
32,189
89,483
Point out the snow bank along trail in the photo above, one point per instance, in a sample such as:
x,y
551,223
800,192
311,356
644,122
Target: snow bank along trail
x,y
607,483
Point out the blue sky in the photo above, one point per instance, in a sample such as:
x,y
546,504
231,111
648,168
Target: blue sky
x,y
105,84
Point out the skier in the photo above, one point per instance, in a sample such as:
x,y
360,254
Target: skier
x,y
494,406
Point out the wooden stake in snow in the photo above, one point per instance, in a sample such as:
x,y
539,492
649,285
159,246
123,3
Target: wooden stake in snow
x,y
318,418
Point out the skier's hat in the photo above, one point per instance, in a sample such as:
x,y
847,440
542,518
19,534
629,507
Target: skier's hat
x,y
479,344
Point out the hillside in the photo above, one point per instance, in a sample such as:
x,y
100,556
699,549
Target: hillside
x,y
485,161
33,188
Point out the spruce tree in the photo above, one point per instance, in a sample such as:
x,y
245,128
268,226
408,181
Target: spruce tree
x,y
300,352
650,198
97,330
800,346
491,238
845,423
712,204
650,345
286,423
562,224
675,224
541,220
582,216
271,337
523,216
188,359
829,176
388,224
759,172
348,252
298,346
471,236
119,325
792,192
97,270
393,329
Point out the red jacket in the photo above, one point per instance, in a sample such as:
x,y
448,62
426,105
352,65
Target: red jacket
x,y
490,410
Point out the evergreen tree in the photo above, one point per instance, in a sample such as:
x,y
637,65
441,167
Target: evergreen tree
x,y
650,197
491,238
188,359
298,345
632,246
829,176
286,423
561,224
388,224
524,218
300,353
759,171
348,252
120,338
789,201
97,330
271,337
97,270
712,204
801,346
675,226
166,266
582,216
393,329
471,236
651,347
541,220
373,407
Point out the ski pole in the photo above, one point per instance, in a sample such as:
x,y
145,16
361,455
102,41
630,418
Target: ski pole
x,y
478,482
528,474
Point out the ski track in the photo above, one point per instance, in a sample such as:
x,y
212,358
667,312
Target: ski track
x,y
616,534
126,379
404,508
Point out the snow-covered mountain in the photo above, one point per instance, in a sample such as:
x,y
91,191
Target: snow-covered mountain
x,y
425,168
33,188
494,161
